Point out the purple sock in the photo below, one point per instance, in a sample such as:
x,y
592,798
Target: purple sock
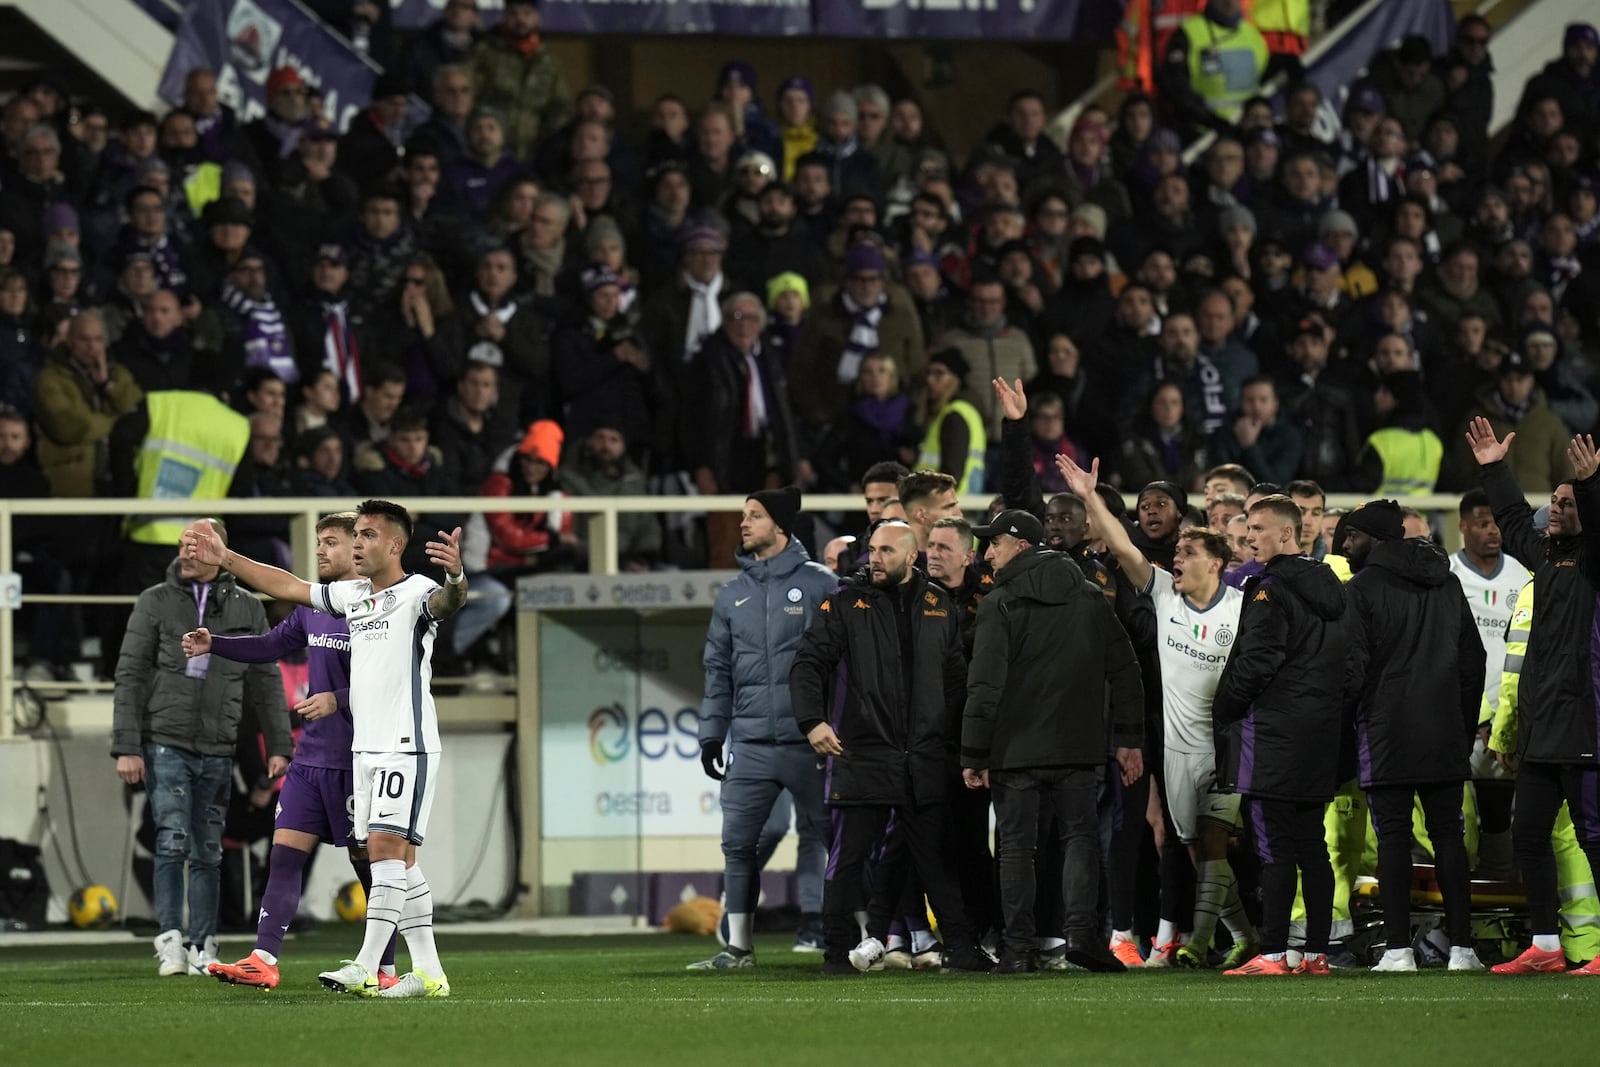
x,y
364,873
282,897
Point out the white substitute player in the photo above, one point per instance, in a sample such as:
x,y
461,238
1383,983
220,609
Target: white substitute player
x,y
1491,581
395,751
1197,618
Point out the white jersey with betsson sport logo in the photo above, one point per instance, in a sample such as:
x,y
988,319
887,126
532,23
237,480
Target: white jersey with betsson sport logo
x,y
391,669
1193,644
1492,600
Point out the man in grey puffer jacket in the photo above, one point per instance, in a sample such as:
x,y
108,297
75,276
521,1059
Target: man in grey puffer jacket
x,y
756,627
175,722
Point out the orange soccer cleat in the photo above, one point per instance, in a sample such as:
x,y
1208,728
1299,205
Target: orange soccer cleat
x,y
1261,967
1127,952
1533,961
1592,967
1314,965
251,971
387,980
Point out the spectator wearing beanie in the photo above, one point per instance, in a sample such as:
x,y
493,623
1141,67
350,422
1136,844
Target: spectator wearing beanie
x,y
600,364
864,316
509,543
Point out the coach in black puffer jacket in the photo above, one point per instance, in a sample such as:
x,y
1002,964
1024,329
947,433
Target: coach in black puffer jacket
x,y
1276,710
1036,700
848,672
1413,646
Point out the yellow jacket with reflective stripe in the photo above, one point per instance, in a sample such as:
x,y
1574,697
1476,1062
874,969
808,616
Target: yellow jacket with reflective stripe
x,y
194,446
1225,66
970,479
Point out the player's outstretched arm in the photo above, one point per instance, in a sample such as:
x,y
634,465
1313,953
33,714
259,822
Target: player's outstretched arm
x,y
452,595
1101,522
201,543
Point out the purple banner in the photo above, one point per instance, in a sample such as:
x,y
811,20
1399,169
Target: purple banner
x,y
243,41
1349,57
1048,20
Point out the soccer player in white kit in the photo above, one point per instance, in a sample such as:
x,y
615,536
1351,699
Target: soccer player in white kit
x,y
1197,618
395,751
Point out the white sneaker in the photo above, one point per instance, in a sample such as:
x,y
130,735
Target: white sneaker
x,y
1465,959
867,956
898,959
417,984
930,959
351,978
170,951
1398,960
201,957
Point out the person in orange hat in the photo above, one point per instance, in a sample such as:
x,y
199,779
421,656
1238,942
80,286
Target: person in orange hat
x,y
501,545
273,136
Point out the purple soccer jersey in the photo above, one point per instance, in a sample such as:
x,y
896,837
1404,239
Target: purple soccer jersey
x,y
324,743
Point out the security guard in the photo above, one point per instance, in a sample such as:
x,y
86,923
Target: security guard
x,y
1214,63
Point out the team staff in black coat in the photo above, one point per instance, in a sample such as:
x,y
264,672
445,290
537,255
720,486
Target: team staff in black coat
x,y
1277,720
1415,677
1556,703
874,686
1035,728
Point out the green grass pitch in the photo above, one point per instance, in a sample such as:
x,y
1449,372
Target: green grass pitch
x,y
628,1000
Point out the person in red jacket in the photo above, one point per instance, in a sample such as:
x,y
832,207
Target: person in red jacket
x,y
501,545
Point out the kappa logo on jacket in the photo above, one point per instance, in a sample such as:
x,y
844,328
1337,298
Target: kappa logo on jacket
x,y
862,604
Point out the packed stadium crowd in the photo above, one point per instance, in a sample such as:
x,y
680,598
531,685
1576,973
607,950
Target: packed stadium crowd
x,y
773,285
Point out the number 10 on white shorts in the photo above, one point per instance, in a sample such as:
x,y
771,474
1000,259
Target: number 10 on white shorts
x,y
394,793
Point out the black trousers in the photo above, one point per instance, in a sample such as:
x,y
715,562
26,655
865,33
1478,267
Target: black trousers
x,y
1128,831
966,852
915,840
1023,800
1391,818
1288,836
1541,787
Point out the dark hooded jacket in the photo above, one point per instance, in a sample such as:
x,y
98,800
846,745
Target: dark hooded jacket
x,y
892,714
1036,700
1557,698
1414,673
1277,709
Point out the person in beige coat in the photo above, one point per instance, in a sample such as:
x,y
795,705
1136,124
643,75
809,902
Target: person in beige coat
x,y
993,349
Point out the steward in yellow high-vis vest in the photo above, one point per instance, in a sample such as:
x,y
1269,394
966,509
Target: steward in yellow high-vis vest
x,y
1284,24
969,478
193,447
1410,460
1214,62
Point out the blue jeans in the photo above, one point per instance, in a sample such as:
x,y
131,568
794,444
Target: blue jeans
x,y
487,603
188,796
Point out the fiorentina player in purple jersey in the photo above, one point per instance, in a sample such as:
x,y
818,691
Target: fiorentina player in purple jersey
x,y
316,803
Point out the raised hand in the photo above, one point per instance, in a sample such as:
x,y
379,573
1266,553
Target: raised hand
x,y
1585,461
1080,482
1485,448
197,642
1013,402
201,544
446,552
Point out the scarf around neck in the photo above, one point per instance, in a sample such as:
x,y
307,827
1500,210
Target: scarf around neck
x,y
266,339
863,338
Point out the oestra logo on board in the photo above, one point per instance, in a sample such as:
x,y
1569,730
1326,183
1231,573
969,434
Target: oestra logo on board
x,y
608,735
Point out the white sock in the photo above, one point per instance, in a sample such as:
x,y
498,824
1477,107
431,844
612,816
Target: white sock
x,y
1273,956
1166,933
416,924
385,900
1045,944
861,921
739,930
388,969
922,940
268,958
1396,953
895,943
1462,952
1547,942
1119,936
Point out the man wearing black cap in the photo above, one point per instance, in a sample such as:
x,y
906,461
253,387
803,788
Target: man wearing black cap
x,y
1414,675
1277,730
756,626
875,687
370,149
1035,728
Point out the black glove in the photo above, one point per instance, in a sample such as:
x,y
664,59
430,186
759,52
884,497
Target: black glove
x,y
711,760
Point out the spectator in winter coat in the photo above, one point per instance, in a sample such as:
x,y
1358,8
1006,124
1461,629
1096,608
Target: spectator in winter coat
x,y
1515,403
1258,440
408,464
992,348
513,71
599,363
469,430
78,397
599,466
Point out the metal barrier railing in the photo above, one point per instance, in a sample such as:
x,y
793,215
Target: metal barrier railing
x,y
303,513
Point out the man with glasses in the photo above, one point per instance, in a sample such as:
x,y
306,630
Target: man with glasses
x,y
1468,74
37,183
273,137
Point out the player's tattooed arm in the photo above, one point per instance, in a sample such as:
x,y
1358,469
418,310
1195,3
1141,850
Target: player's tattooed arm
x,y
452,596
